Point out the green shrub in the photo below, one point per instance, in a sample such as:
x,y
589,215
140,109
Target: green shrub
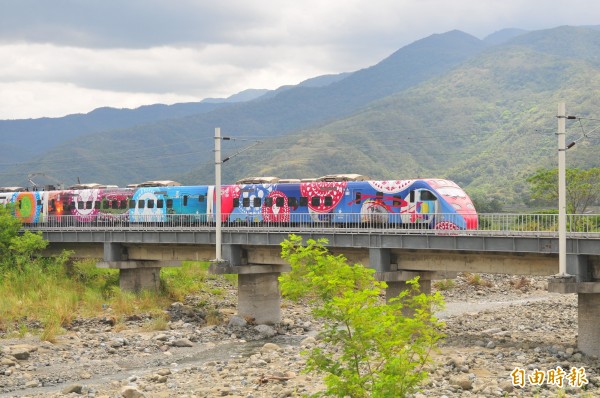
x,y
371,348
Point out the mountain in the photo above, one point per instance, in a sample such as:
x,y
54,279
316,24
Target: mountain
x,y
246,95
27,138
502,36
487,124
480,112
168,147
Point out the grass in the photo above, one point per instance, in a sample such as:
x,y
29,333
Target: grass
x,y
53,295
521,283
477,280
444,284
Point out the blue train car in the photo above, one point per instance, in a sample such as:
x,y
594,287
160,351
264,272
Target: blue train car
x,y
172,203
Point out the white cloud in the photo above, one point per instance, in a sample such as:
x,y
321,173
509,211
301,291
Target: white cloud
x,y
63,57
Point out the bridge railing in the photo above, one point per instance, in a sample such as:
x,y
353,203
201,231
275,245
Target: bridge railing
x,y
492,223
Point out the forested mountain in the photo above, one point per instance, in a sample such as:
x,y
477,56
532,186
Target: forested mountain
x,y
170,147
481,112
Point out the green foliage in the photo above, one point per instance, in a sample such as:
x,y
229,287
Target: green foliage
x,y
372,349
582,187
17,250
486,204
53,291
9,228
178,282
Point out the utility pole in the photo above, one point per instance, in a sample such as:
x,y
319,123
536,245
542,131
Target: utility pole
x,y
218,164
562,191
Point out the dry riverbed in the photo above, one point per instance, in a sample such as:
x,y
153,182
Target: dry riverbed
x,y
499,328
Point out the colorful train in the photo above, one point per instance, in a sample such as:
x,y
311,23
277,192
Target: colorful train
x,y
335,199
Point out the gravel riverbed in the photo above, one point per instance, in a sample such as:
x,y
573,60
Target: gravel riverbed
x,y
501,331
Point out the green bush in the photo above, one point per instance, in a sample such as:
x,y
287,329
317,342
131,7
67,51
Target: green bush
x,y
372,349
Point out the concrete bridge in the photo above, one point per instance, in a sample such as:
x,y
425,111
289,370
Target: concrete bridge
x,y
253,254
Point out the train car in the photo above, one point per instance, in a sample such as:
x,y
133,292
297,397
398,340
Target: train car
x,y
82,204
426,203
28,205
176,204
344,200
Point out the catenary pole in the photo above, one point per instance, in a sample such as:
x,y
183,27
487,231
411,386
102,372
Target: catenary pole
x,y
218,163
562,191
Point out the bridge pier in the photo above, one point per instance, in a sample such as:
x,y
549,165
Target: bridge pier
x,y
386,270
134,275
259,297
584,279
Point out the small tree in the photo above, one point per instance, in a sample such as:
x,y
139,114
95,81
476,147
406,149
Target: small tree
x,y
371,348
582,187
17,250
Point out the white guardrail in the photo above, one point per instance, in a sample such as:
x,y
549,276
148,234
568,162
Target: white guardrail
x,y
586,225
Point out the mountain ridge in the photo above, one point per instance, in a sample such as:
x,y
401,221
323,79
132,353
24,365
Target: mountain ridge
x,y
449,106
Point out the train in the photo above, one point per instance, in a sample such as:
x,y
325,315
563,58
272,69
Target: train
x,y
342,199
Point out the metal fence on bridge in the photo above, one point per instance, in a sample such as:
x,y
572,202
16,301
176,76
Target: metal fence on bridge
x,y
584,225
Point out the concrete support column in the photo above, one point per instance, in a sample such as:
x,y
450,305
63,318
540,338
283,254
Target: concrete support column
x,y
259,297
379,259
137,279
588,313
134,275
395,288
114,251
578,265
584,280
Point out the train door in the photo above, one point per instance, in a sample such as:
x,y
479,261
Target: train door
x,y
421,207
357,198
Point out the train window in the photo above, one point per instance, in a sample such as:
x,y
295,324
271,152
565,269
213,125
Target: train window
x,y
268,202
185,199
123,204
256,202
97,205
246,202
80,205
412,196
65,206
160,204
280,202
303,201
132,204
293,202
315,201
169,203
328,201
397,201
151,203
39,202
201,198
427,195
104,204
72,206
115,204
141,204
88,205
52,203
236,202
357,198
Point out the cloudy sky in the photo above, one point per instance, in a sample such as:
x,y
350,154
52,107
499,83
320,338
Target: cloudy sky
x,y
70,56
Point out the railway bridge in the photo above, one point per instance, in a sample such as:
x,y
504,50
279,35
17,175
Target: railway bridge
x,y
397,255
